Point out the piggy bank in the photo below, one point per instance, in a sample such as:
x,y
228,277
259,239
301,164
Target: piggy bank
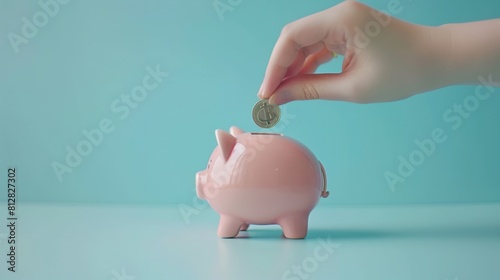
x,y
261,178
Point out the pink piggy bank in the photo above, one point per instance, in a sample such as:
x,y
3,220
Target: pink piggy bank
x,y
261,178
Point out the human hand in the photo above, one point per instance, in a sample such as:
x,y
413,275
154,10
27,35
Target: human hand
x,y
385,59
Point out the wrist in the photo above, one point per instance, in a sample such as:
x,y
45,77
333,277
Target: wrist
x,y
438,52
468,51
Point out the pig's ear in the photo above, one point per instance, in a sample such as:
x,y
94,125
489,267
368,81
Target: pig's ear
x,y
235,131
226,142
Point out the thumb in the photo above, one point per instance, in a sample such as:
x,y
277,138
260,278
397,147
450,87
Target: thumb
x,y
315,86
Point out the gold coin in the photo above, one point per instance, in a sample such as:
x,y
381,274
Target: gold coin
x,y
266,115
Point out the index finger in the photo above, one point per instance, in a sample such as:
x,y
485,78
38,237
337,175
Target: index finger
x,y
308,33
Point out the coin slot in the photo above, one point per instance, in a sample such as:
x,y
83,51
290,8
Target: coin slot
x,y
266,133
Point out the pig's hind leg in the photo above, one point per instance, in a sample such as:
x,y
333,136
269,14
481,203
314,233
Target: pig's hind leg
x,y
229,226
294,225
244,227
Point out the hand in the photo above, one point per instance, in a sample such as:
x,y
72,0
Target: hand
x,y
385,59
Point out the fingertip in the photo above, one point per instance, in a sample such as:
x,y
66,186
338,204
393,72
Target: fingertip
x,y
264,95
279,98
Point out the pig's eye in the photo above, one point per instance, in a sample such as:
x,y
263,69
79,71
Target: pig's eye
x,y
210,161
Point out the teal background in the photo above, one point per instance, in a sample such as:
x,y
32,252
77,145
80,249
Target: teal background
x,y
65,79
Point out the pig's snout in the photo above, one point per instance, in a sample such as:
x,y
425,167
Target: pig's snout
x,y
201,180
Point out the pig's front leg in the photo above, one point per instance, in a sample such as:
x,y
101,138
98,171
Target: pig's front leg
x,y
229,226
294,225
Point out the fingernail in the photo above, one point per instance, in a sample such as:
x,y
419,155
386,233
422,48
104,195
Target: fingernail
x,y
259,93
275,99
279,98
272,100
